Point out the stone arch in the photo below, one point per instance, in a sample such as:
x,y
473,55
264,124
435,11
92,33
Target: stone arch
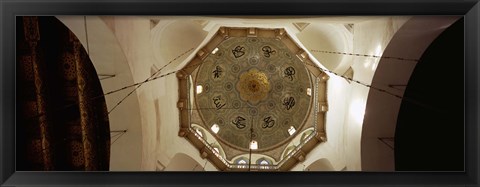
x,y
378,129
170,38
183,162
328,37
322,164
108,58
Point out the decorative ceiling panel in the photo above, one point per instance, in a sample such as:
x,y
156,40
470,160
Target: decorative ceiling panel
x,y
253,84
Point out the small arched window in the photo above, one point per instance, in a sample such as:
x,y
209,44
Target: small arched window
x,y
215,128
199,132
241,161
305,135
264,161
288,150
199,89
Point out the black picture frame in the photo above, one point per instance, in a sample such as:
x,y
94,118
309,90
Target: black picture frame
x,y
9,9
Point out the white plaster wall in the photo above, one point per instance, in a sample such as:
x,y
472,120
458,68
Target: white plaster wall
x,y
333,149
371,37
329,37
171,38
347,101
321,165
183,162
160,128
133,36
165,36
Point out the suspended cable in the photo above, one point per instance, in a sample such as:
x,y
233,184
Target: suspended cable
x,y
213,108
111,137
114,91
86,33
384,139
395,86
204,165
148,79
364,55
371,86
117,133
356,81
118,137
379,89
250,146
135,84
196,65
195,167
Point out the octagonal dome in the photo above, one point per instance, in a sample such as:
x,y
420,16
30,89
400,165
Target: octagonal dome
x,y
252,99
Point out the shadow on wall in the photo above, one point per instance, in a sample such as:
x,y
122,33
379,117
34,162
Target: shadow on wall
x,y
386,137
183,162
430,133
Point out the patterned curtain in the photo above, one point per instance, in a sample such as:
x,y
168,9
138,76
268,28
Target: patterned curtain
x,y
62,119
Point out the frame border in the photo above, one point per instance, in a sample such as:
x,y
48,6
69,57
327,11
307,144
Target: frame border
x,y
9,9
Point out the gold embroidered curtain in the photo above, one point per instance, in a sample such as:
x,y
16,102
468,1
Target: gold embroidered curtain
x,y
62,118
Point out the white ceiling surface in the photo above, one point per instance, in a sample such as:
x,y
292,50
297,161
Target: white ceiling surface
x,y
139,46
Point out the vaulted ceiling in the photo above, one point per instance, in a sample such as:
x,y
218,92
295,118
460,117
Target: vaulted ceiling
x,y
133,48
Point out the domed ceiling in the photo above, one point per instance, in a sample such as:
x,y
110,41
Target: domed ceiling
x,y
253,83
252,86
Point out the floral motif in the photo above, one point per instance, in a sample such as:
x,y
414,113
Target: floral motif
x,y
253,86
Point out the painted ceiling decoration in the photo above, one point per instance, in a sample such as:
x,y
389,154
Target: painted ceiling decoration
x,y
252,86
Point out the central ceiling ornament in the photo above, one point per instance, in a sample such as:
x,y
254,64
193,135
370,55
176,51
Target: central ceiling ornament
x,y
253,86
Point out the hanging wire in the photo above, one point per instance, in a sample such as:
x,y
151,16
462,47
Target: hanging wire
x,y
195,167
196,65
86,33
154,78
204,165
379,89
364,55
114,91
88,46
118,136
361,83
250,146
213,108
372,56
148,79
396,87
117,133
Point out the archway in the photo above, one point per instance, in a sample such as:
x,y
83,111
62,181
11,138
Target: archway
x,y
392,75
114,72
322,164
183,162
